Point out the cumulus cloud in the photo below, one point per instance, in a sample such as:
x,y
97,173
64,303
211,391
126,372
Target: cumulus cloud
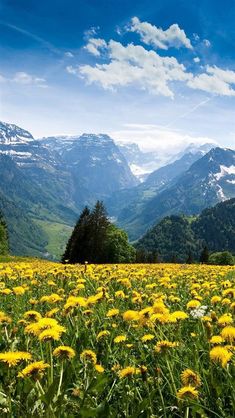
x,y
215,81
133,64
95,45
28,79
157,37
155,137
196,59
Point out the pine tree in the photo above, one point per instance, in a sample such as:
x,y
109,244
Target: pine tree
x,y
99,224
204,257
78,246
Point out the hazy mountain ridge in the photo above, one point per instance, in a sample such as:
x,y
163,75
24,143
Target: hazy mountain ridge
x,y
202,185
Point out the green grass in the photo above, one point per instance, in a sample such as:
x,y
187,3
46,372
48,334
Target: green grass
x,y
57,235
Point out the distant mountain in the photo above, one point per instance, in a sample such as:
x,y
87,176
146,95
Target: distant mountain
x,y
175,237
50,180
141,163
128,203
209,180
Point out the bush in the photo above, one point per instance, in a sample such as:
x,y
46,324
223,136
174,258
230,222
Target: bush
x,y
223,259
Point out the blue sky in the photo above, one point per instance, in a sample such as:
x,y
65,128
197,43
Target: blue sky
x,y
161,73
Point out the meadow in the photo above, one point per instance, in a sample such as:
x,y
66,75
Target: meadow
x,y
116,340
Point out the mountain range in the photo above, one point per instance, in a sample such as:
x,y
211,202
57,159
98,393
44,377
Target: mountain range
x,y
46,182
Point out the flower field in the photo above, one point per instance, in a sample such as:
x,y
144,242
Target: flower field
x,y
116,341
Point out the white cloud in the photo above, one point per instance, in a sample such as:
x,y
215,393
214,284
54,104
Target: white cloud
x,y
153,137
94,46
69,54
196,59
28,79
133,64
157,37
207,43
215,81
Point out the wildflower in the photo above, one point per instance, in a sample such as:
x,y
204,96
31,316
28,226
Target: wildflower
x,y
64,352
220,355
162,346
215,299
225,319
228,334
179,315
32,315
216,339
34,370
187,392
53,333
189,377
19,290
12,358
193,304
147,337
119,339
102,334
112,312
4,319
88,355
127,372
131,315
99,368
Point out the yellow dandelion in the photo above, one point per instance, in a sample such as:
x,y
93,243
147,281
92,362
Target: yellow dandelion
x,y
112,312
127,372
220,355
64,352
190,378
193,304
53,333
131,315
163,346
12,358
187,392
88,355
32,315
147,337
228,334
120,339
34,370
102,334
99,368
216,339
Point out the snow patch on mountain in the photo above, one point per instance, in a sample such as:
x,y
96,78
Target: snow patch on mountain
x,y
225,171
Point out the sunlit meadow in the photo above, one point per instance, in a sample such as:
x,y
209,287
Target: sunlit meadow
x,y
116,341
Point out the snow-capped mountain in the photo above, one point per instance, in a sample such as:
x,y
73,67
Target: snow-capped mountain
x,y
209,180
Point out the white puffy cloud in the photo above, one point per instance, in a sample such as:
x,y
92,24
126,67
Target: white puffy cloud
x,y
133,65
27,79
153,137
157,37
94,46
196,59
215,81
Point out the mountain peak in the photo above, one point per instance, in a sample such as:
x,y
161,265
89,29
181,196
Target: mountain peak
x,y
13,134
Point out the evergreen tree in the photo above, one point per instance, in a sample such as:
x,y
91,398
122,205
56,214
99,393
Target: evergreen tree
x,y
99,224
79,245
204,257
96,240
